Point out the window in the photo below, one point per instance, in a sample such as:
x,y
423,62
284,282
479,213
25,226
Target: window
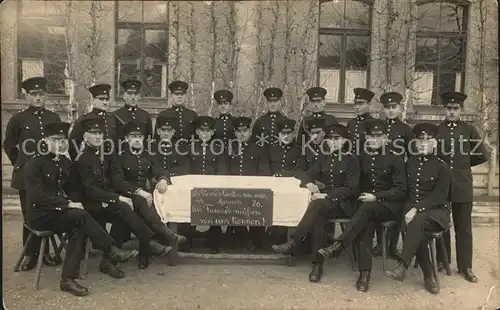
x,y
440,49
142,45
344,47
42,43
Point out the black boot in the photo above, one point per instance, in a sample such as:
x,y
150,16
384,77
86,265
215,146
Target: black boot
x,y
316,272
333,250
363,281
29,262
174,239
431,285
397,274
107,267
377,250
50,260
118,255
159,249
468,275
142,261
284,248
71,286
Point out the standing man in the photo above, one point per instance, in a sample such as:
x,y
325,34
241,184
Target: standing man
x,y
362,100
224,123
185,116
23,139
264,131
426,209
383,193
317,101
130,112
247,158
100,102
399,135
52,197
460,146
340,172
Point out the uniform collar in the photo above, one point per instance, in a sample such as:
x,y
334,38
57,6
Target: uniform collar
x,y
392,121
179,108
363,117
286,146
225,116
99,112
36,110
425,157
131,107
273,114
318,114
451,124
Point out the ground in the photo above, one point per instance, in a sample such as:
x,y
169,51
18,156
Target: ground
x,y
196,285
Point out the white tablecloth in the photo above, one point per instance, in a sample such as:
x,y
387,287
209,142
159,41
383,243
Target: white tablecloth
x,y
289,200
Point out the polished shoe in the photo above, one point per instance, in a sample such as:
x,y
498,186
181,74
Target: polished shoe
x,y
468,275
398,274
107,267
394,254
441,266
284,248
316,272
142,261
332,251
377,251
50,260
119,255
29,262
71,286
363,281
431,285
159,249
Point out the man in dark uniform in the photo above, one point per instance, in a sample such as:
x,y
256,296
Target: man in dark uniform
x,y
340,172
399,137
383,193
133,170
224,123
100,101
52,195
130,112
23,137
208,158
362,100
100,199
264,131
461,147
186,116
247,158
317,101
428,179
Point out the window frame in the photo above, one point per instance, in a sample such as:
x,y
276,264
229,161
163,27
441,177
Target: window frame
x,y
143,27
344,33
52,20
444,35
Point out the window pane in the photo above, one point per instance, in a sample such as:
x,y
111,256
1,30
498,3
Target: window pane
x,y
30,41
426,67
54,73
423,87
127,71
452,17
37,8
354,79
130,11
330,80
332,15
129,44
155,81
30,68
428,16
155,11
357,52
451,58
345,14
330,48
156,45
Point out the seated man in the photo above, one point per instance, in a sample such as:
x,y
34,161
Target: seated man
x,y
103,202
427,208
339,171
51,195
132,171
383,187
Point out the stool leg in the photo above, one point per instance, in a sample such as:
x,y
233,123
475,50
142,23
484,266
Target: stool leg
x,y
56,252
23,252
40,262
446,262
434,259
384,248
84,262
291,259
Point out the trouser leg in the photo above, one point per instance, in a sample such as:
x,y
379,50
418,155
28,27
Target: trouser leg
x,y
129,217
315,209
415,232
34,245
423,258
462,222
74,254
394,233
365,247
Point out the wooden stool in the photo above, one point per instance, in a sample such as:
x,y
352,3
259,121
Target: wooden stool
x,y
434,238
84,263
343,222
44,235
385,228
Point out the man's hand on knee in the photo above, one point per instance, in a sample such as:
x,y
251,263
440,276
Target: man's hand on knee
x,y
318,196
410,215
127,201
75,205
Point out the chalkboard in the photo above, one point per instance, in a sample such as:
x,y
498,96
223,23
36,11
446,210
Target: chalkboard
x,y
233,207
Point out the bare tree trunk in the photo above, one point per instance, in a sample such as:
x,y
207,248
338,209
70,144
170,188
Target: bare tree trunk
x,y
275,8
213,54
177,38
192,45
261,66
233,49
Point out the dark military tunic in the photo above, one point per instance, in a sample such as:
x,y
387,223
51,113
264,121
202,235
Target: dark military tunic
x,y
205,161
224,129
400,135
186,118
428,180
457,147
286,160
356,130
110,132
248,159
329,119
264,131
128,114
25,129
171,158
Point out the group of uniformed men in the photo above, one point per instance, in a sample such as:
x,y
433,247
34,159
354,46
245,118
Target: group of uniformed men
x,y
366,171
